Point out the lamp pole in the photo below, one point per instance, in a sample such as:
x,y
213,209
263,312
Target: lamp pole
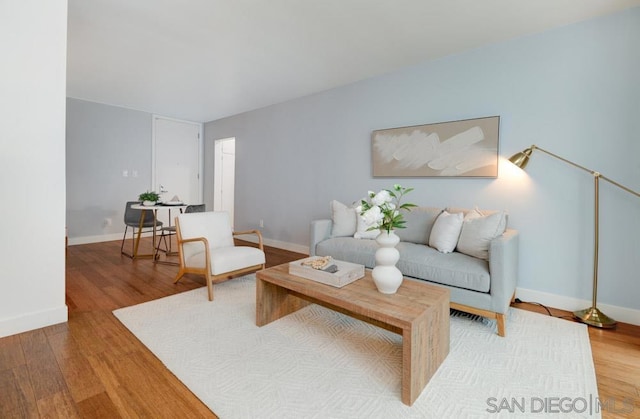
x,y
592,315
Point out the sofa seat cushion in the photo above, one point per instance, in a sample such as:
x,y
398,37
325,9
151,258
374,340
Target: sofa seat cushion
x,y
416,260
454,269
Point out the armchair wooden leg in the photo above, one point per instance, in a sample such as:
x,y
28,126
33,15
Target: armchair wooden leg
x,y
501,321
179,276
210,286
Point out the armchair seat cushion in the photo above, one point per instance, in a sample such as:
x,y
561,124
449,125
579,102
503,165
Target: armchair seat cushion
x,y
227,259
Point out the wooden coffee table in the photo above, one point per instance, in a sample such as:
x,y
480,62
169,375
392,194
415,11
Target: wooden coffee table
x,y
419,312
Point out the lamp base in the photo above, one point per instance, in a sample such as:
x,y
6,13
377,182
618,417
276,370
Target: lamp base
x,y
594,317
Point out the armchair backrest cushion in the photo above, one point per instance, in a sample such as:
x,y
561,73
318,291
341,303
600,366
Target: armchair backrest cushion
x,y
215,226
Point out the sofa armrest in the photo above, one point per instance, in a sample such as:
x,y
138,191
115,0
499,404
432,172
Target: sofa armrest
x,y
503,268
320,230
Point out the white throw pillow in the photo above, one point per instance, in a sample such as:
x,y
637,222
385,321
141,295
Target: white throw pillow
x,y
477,232
445,232
344,220
362,227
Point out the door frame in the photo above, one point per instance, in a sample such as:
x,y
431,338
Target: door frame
x,y
154,118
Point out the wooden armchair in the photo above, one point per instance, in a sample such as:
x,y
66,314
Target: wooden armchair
x,y
206,247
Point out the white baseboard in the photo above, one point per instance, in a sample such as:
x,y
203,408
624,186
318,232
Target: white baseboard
x,y
621,314
292,247
31,321
102,238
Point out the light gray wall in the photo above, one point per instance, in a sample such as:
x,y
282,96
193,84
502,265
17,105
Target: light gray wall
x,y
573,90
102,141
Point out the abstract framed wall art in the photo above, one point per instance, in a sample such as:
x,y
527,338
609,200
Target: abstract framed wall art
x,y
466,148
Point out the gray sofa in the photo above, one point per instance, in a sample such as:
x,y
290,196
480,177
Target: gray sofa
x,y
477,286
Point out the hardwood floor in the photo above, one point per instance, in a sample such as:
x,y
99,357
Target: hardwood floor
x,y
92,367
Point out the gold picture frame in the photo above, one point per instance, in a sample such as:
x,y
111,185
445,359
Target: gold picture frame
x,y
465,148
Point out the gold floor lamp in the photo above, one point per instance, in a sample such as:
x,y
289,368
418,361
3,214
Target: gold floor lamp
x,y
591,316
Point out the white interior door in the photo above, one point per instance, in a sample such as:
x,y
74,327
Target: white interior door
x,y
177,163
224,175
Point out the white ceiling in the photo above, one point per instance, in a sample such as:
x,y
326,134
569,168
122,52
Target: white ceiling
x,y
202,60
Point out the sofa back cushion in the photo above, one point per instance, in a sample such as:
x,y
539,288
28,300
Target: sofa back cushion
x,y
445,232
478,229
344,219
419,222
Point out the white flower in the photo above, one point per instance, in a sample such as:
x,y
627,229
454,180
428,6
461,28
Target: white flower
x,y
373,216
381,198
382,210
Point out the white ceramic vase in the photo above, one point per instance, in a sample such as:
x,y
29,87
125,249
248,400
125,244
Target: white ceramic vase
x,y
148,203
386,275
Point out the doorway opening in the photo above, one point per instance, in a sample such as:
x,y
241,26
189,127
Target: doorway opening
x,y
224,175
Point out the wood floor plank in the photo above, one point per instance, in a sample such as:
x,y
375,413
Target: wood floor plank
x,y
99,406
45,375
55,329
16,394
58,405
93,297
116,337
80,378
126,405
11,354
82,331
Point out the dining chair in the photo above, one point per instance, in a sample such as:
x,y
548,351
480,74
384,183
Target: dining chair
x,y
206,247
132,218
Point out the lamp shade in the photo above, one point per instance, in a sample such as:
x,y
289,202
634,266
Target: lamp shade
x,y
521,158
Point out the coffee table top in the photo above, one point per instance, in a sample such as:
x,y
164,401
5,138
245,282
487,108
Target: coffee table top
x,y
413,299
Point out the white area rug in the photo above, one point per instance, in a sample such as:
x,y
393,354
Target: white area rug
x,y
316,363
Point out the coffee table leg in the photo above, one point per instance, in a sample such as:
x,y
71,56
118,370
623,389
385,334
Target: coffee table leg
x,y
274,302
424,346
